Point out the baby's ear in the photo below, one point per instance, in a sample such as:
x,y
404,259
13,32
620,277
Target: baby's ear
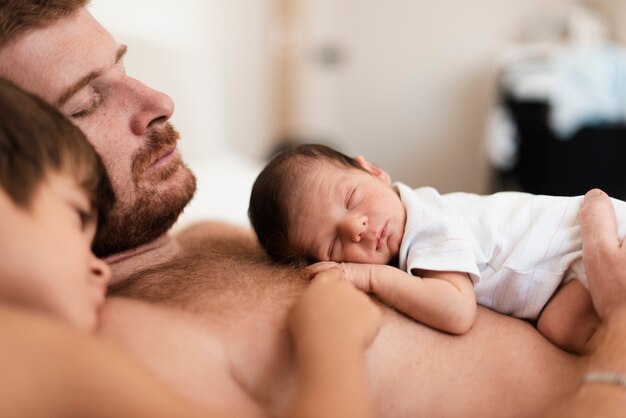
x,y
373,169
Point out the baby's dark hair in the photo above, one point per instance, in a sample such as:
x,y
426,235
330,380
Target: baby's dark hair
x,y
271,191
36,140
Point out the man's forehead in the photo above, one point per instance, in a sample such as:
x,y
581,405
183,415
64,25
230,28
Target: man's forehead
x,y
47,60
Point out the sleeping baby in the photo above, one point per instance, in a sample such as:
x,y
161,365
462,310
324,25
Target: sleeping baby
x,y
431,256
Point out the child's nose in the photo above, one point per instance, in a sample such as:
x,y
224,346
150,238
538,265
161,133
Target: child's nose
x,y
100,271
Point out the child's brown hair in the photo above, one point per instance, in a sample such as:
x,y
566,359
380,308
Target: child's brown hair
x,y
35,140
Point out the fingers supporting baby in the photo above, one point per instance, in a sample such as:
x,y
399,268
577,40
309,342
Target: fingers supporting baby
x,y
604,256
334,310
598,222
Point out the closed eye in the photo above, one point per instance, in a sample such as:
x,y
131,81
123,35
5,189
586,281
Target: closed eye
x,y
330,248
84,217
349,196
96,100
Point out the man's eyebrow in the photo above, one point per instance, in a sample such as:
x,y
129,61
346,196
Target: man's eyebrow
x,y
80,84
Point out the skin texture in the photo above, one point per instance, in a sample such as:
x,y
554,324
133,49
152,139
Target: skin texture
x,y
216,325
240,315
67,281
75,375
44,352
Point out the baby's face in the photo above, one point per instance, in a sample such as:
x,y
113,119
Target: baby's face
x,y
46,263
346,214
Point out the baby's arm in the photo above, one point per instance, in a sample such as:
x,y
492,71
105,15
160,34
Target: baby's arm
x,y
442,300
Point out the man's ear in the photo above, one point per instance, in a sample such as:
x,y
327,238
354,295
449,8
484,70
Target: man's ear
x,y
373,170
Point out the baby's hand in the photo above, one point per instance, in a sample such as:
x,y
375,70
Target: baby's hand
x,y
358,274
322,266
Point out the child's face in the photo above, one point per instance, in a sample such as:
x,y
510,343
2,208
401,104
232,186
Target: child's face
x,y
46,263
346,214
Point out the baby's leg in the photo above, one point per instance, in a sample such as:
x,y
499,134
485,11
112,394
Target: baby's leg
x,y
569,319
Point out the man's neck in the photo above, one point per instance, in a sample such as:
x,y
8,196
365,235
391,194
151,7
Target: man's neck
x,y
126,263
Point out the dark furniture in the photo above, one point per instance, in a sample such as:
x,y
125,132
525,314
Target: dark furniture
x,y
593,157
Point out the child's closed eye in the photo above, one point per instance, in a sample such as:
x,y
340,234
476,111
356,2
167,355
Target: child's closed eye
x,y
85,218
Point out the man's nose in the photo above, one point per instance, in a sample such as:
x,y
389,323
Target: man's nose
x,y
353,227
153,108
100,271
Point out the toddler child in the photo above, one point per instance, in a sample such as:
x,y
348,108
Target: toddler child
x,y
53,193
516,253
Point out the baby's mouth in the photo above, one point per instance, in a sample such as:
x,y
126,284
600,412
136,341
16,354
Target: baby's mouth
x,y
381,238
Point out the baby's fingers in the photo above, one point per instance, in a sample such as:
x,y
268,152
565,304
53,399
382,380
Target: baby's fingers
x,y
322,266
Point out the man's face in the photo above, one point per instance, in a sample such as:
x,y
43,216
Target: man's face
x,y
76,65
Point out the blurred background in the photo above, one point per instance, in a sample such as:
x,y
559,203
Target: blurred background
x,y
475,96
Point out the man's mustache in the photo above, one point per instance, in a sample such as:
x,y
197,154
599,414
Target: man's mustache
x,y
157,142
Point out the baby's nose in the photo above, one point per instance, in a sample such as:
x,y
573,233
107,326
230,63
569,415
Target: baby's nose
x,y
357,228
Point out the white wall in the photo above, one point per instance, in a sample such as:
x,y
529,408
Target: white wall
x,y
411,94
249,77
211,57
615,12
416,82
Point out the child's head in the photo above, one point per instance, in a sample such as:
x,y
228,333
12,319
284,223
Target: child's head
x,y
312,202
53,193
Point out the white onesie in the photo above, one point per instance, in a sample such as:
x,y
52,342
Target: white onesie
x,y
516,247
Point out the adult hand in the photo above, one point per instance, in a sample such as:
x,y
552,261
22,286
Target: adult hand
x,y
333,309
604,254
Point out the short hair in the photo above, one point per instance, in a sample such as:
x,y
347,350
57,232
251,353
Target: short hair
x,y
268,209
20,16
36,140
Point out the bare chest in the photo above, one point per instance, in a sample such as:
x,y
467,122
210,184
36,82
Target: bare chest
x,y
234,310
238,303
